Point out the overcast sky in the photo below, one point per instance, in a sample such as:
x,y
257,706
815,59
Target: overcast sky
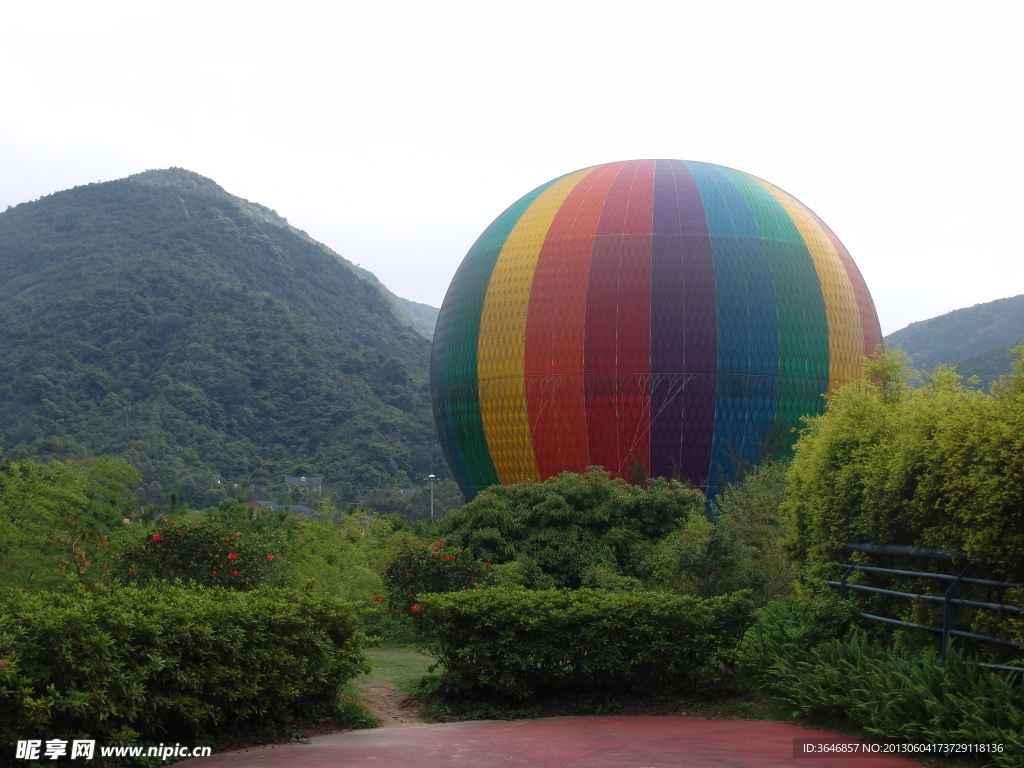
x,y
395,132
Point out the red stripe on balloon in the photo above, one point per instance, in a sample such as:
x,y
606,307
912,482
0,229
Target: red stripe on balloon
x,y
617,339
553,360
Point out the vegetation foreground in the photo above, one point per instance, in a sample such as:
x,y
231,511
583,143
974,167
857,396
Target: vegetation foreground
x,y
235,622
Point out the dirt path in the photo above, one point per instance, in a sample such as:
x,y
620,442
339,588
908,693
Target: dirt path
x,y
393,708
394,668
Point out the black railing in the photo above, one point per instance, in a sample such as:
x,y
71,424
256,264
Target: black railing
x,y
949,600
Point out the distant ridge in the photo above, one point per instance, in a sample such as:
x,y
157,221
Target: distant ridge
x,y
976,339
422,317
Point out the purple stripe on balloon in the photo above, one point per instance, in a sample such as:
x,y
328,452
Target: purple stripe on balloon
x,y
684,328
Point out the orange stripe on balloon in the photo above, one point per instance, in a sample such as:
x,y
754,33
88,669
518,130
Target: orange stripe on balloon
x,y
555,327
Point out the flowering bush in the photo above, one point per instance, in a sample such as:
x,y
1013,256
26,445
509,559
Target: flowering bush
x,y
423,568
206,553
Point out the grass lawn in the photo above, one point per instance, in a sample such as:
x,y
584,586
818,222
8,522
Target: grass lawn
x,y
395,664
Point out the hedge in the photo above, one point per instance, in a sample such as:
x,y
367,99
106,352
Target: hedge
x,y
511,643
123,664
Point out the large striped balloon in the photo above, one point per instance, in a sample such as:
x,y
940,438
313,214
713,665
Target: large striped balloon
x,y
654,317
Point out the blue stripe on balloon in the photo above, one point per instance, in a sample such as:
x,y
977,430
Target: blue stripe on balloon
x,y
748,328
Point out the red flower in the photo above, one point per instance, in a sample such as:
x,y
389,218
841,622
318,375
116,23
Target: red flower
x,y
408,575
157,537
213,573
132,570
234,573
448,558
228,539
379,599
414,607
270,557
171,522
232,556
487,564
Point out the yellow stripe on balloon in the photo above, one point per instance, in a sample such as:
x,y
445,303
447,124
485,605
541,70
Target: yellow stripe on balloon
x,y
845,336
502,340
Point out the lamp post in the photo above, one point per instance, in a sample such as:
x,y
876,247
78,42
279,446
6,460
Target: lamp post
x,y
431,479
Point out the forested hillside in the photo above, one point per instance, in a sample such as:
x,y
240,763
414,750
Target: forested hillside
x,y
976,339
161,319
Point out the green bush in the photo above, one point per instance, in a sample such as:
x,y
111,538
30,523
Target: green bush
x,y
507,643
917,699
129,664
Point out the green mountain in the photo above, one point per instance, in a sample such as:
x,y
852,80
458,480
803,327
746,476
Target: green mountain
x,y
196,334
976,339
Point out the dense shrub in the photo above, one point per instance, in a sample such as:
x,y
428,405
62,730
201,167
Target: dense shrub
x,y
933,464
510,643
572,530
129,664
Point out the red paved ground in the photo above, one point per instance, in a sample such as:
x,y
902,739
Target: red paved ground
x,y
559,742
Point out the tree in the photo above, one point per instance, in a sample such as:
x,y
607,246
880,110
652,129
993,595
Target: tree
x,y
57,519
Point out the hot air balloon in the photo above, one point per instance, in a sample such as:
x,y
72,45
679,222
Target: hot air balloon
x,y
654,317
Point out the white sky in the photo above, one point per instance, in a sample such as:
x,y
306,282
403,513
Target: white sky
x,y
395,132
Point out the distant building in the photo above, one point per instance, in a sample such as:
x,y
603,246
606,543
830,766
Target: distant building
x,y
310,485
299,508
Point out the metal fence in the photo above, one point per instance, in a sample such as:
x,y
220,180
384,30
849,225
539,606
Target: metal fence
x,y
949,600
